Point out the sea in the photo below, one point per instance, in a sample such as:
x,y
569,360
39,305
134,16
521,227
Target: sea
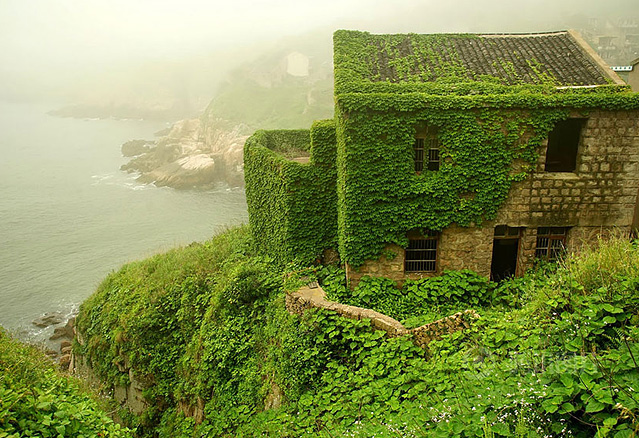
x,y
69,216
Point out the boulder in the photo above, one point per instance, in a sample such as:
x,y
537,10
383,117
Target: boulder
x,y
133,148
65,361
65,332
49,318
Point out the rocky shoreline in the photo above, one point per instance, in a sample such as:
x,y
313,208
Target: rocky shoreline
x,y
61,338
188,156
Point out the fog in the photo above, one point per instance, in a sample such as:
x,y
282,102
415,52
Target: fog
x,y
99,51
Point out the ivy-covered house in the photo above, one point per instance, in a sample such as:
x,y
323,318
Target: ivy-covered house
x,y
451,151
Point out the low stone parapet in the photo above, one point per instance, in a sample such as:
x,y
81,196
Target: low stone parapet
x,y
435,330
315,297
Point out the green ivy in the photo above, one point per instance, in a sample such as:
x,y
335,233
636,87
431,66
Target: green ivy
x,y
490,134
38,400
292,205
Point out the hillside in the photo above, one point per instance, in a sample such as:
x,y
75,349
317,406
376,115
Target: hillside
x,y
203,333
288,86
37,400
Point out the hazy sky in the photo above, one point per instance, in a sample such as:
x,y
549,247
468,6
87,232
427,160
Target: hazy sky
x,y
40,38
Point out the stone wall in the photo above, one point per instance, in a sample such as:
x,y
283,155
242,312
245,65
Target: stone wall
x,y
435,330
129,396
306,298
597,199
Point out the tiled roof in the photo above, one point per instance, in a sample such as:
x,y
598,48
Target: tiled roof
x,y
511,58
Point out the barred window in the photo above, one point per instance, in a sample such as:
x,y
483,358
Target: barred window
x,y
551,242
421,254
426,149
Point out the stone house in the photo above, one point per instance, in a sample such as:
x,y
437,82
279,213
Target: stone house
x,y
481,152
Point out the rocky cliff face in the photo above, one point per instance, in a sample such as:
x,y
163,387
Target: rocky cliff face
x,y
190,155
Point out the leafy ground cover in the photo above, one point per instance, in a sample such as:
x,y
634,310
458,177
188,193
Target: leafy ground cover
x,y
554,353
36,400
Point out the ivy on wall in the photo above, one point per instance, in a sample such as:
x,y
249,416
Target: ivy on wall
x,y
292,205
490,135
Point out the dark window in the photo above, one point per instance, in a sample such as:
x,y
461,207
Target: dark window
x,y
426,150
551,242
563,142
421,254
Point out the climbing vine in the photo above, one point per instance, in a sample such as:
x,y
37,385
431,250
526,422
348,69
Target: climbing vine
x,y
490,134
292,205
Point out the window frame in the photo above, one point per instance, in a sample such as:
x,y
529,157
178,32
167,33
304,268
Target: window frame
x,y
420,243
555,244
565,137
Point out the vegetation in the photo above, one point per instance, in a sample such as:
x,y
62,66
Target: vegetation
x,y
554,353
489,131
292,205
37,400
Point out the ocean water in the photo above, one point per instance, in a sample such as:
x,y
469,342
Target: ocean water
x,y
69,216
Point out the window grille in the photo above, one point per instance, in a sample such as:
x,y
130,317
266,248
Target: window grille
x,y
421,254
551,242
426,149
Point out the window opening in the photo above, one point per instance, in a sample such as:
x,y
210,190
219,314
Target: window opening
x,y
421,253
426,150
551,242
563,143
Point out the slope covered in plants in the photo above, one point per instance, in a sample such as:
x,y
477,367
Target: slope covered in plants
x,y
554,353
37,400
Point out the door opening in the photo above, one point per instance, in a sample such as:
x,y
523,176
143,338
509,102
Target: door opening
x,y
505,250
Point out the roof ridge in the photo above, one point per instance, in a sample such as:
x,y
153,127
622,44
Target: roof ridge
x,y
522,35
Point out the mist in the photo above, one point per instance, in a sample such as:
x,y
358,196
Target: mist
x,y
150,52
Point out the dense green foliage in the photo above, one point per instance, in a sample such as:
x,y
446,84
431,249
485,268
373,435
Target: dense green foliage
x,y
418,301
37,400
292,205
554,353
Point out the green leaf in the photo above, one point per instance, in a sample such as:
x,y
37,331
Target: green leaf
x,y
594,406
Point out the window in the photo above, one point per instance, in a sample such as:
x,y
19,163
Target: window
x,y
563,142
551,242
421,254
426,150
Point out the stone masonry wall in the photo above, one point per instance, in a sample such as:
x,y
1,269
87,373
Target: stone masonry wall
x,y
306,298
598,198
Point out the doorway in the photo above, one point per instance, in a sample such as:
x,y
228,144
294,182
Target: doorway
x,y
505,251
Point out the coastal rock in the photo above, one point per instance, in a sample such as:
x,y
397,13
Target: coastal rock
x,y
65,361
133,148
65,332
49,318
190,155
